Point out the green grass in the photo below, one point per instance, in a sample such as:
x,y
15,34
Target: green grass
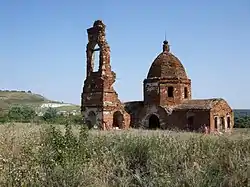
x,y
37,155
69,108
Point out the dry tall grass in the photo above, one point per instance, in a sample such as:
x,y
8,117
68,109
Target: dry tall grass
x,y
32,155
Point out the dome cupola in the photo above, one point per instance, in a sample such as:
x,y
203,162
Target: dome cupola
x,y
167,82
166,65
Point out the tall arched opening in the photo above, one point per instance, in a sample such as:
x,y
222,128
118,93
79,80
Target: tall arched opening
x,y
154,122
96,58
228,122
118,120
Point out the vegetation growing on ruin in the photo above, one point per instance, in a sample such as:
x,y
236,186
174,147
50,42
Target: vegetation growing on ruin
x,y
43,155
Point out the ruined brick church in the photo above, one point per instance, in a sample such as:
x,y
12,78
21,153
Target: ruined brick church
x,y
167,102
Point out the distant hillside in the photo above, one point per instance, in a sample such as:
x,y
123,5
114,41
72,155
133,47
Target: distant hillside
x,y
36,101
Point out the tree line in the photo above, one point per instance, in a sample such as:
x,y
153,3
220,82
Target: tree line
x,y
22,91
242,121
26,114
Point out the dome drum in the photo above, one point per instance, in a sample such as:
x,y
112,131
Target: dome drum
x,y
167,80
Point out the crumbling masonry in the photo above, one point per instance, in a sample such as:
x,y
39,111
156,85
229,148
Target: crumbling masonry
x,y
100,104
167,102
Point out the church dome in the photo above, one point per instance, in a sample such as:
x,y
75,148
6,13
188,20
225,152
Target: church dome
x,y
166,65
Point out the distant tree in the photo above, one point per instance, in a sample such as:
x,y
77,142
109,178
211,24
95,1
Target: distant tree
x,y
50,115
28,113
242,122
15,113
4,119
21,114
3,116
29,91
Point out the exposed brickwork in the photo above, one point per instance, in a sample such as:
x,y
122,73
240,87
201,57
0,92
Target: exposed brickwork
x,y
219,111
176,110
166,65
100,104
134,108
166,72
167,103
177,117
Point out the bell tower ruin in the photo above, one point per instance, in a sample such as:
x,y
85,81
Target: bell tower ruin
x,y
100,105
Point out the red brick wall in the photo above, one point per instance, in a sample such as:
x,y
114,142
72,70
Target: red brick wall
x,y
156,91
222,109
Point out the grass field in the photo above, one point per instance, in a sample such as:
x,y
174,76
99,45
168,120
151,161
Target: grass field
x,y
40,155
69,108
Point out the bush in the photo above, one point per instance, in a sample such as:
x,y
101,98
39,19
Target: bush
x,y
50,115
76,119
4,118
21,114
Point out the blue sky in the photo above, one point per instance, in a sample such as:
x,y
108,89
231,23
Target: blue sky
x,y
43,45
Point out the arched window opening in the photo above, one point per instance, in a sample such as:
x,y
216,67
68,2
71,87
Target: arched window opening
x,y
228,122
185,92
118,120
154,122
96,58
215,123
170,91
222,123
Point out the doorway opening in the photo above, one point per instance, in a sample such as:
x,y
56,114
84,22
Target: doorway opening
x,y
118,120
190,122
154,122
